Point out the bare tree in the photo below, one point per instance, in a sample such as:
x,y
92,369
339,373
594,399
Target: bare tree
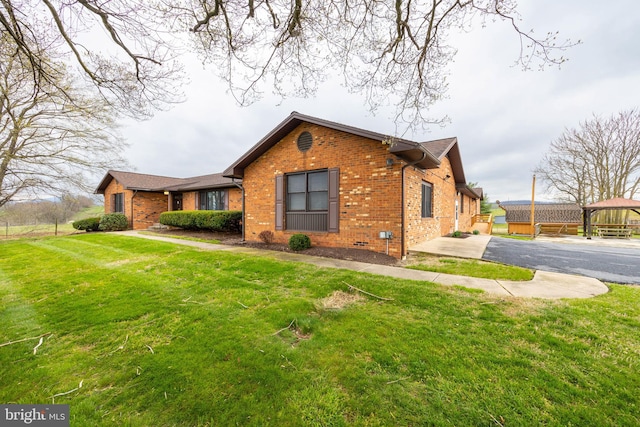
x,y
121,47
48,144
599,160
122,57
390,51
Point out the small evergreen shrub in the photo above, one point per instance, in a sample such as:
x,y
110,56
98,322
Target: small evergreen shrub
x,y
203,220
476,232
114,222
299,242
266,236
87,224
456,233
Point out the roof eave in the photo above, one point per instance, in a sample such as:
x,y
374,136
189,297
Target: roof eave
x,y
415,153
468,191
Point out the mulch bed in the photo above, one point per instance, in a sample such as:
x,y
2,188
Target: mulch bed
x,y
350,254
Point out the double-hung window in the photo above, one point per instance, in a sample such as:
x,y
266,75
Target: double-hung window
x,y
118,203
307,192
427,200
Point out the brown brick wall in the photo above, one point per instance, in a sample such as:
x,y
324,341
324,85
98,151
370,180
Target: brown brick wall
x,y
444,209
147,206
113,188
191,201
369,190
235,199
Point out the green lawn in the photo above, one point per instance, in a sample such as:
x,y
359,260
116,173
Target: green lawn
x,y
166,335
470,268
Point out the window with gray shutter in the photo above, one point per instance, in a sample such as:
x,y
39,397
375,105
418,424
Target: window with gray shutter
x,y
307,201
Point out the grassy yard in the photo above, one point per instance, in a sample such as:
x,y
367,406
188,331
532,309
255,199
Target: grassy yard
x,y
142,333
470,268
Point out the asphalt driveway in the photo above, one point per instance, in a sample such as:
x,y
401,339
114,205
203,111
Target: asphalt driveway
x,y
606,263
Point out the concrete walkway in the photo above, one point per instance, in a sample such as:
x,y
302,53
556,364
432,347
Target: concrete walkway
x,y
543,285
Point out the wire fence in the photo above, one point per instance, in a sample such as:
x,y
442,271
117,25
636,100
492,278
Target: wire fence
x,y
10,231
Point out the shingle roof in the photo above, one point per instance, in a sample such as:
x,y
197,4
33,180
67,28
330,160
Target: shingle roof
x,y
544,213
411,151
439,147
146,182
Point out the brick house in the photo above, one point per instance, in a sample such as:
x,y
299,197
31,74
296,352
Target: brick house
x,y
142,198
349,187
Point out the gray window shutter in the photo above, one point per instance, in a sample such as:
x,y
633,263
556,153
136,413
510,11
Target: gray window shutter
x,y
334,200
280,202
226,200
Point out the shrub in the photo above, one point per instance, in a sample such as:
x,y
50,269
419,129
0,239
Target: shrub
x,y
476,232
114,222
456,233
299,242
266,236
203,220
87,224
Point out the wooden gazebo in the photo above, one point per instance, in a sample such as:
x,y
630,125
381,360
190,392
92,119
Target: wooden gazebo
x,y
618,203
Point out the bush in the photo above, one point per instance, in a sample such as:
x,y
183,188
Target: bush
x,y
476,232
456,233
266,236
299,242
114,222
87,224
203,220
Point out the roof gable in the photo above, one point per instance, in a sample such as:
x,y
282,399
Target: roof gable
x,y
408,150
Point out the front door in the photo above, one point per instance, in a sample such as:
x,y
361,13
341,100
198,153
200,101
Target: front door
x,y
177,202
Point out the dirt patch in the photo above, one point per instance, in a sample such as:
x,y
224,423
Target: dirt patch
x,y
339,300
349,254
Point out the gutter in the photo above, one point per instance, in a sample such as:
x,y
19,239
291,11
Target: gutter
x,y
402,226
133,197
233,180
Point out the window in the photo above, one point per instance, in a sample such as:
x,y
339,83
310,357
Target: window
x,y
212,200
118,203
307,192
308,201
427,200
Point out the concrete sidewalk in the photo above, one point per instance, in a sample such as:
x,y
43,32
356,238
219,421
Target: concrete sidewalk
x,y
543,285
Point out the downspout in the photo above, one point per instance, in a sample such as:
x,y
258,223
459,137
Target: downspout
x,y
242,190
402,222
133,197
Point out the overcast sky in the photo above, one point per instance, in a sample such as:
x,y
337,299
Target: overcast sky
x,y
504,118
